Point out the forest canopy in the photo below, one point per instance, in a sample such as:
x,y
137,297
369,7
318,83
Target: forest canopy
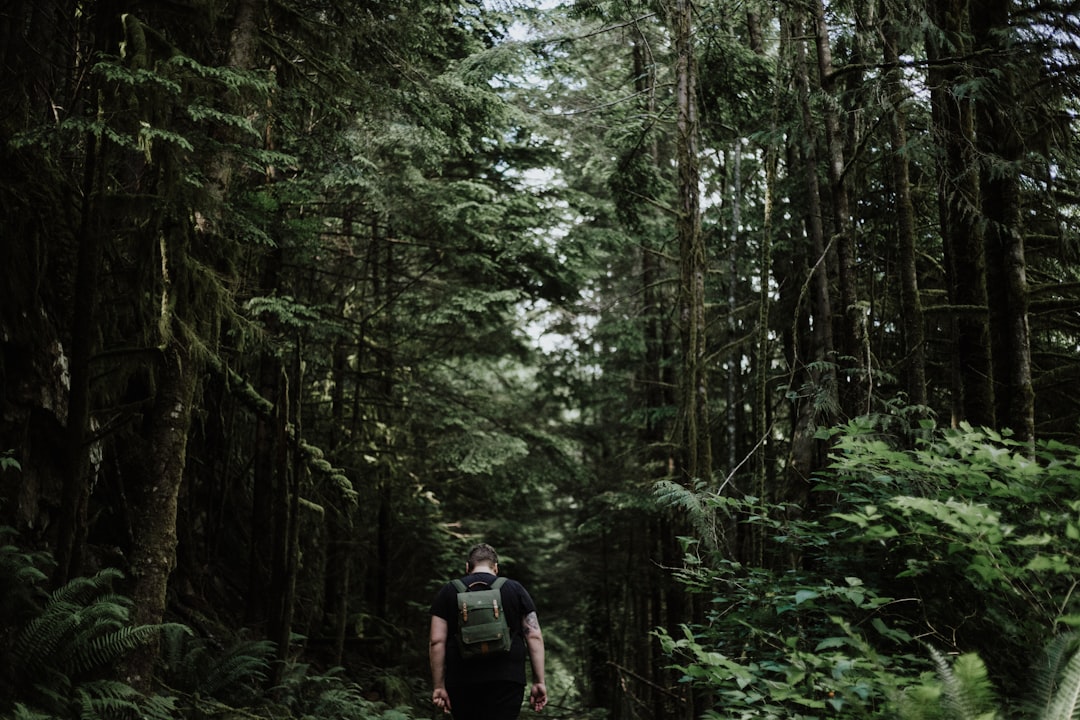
x,y
747,332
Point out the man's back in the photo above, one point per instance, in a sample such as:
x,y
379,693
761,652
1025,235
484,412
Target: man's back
x,y
489,687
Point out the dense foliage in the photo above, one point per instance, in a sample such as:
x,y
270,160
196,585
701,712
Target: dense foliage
x,y
957,544
745,330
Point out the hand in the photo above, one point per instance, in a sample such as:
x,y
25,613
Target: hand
x,y
538,696
441,699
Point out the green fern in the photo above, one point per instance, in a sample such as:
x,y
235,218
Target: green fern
x,y
75,615
22,577
199,669
107,698
22,712
969,694
81,630
963,690
1064,703
246,662
699,505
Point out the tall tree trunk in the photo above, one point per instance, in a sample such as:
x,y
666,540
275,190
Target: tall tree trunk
x,y
694,410
339,521
754,550
1000,148
818,370
853,396
910,302
71,531
154,510
965,258
657,396
71,528
155,497
290,472
269,434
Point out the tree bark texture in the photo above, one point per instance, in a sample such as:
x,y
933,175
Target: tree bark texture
x,y
824,347
958,193
911,304
694,411
853,396
1001,150
812,362
154,498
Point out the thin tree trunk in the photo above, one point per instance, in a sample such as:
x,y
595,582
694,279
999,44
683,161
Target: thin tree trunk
x,y
753,551
853,336
818,371
291,473
965,258
71,528
821,295
910,302
694,411
1001,149
339,520
733,361
655,434
71,531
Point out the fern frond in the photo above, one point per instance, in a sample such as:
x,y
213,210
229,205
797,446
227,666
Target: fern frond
x,y
19,568
1066,701
246,662
107,698
694,502
159,707
101,650
22,712
81,590
969,694
1046,676
921,702
36,645
174,646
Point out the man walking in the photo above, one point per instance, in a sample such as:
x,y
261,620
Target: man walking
x,y
489,687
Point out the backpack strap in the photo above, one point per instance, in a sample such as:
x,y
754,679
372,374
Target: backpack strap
x,y
459,586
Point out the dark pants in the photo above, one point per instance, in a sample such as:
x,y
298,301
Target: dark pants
x,y
487,701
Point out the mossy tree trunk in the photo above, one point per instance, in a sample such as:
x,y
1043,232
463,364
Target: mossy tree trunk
x,y
694,401
154,496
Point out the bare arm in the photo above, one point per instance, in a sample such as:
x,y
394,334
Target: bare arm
x,y
534,639
437,658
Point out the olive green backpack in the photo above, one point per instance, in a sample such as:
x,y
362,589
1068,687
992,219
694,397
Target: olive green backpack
x,y
482,627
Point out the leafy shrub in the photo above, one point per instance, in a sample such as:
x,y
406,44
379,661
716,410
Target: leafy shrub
x,y
982,531
962,540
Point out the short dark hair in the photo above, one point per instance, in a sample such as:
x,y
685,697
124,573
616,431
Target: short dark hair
x,y
482,553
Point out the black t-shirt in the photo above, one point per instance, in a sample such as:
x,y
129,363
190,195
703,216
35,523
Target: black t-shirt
x,y
509,666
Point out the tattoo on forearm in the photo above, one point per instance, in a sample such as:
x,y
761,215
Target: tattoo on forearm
x,y
531,622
